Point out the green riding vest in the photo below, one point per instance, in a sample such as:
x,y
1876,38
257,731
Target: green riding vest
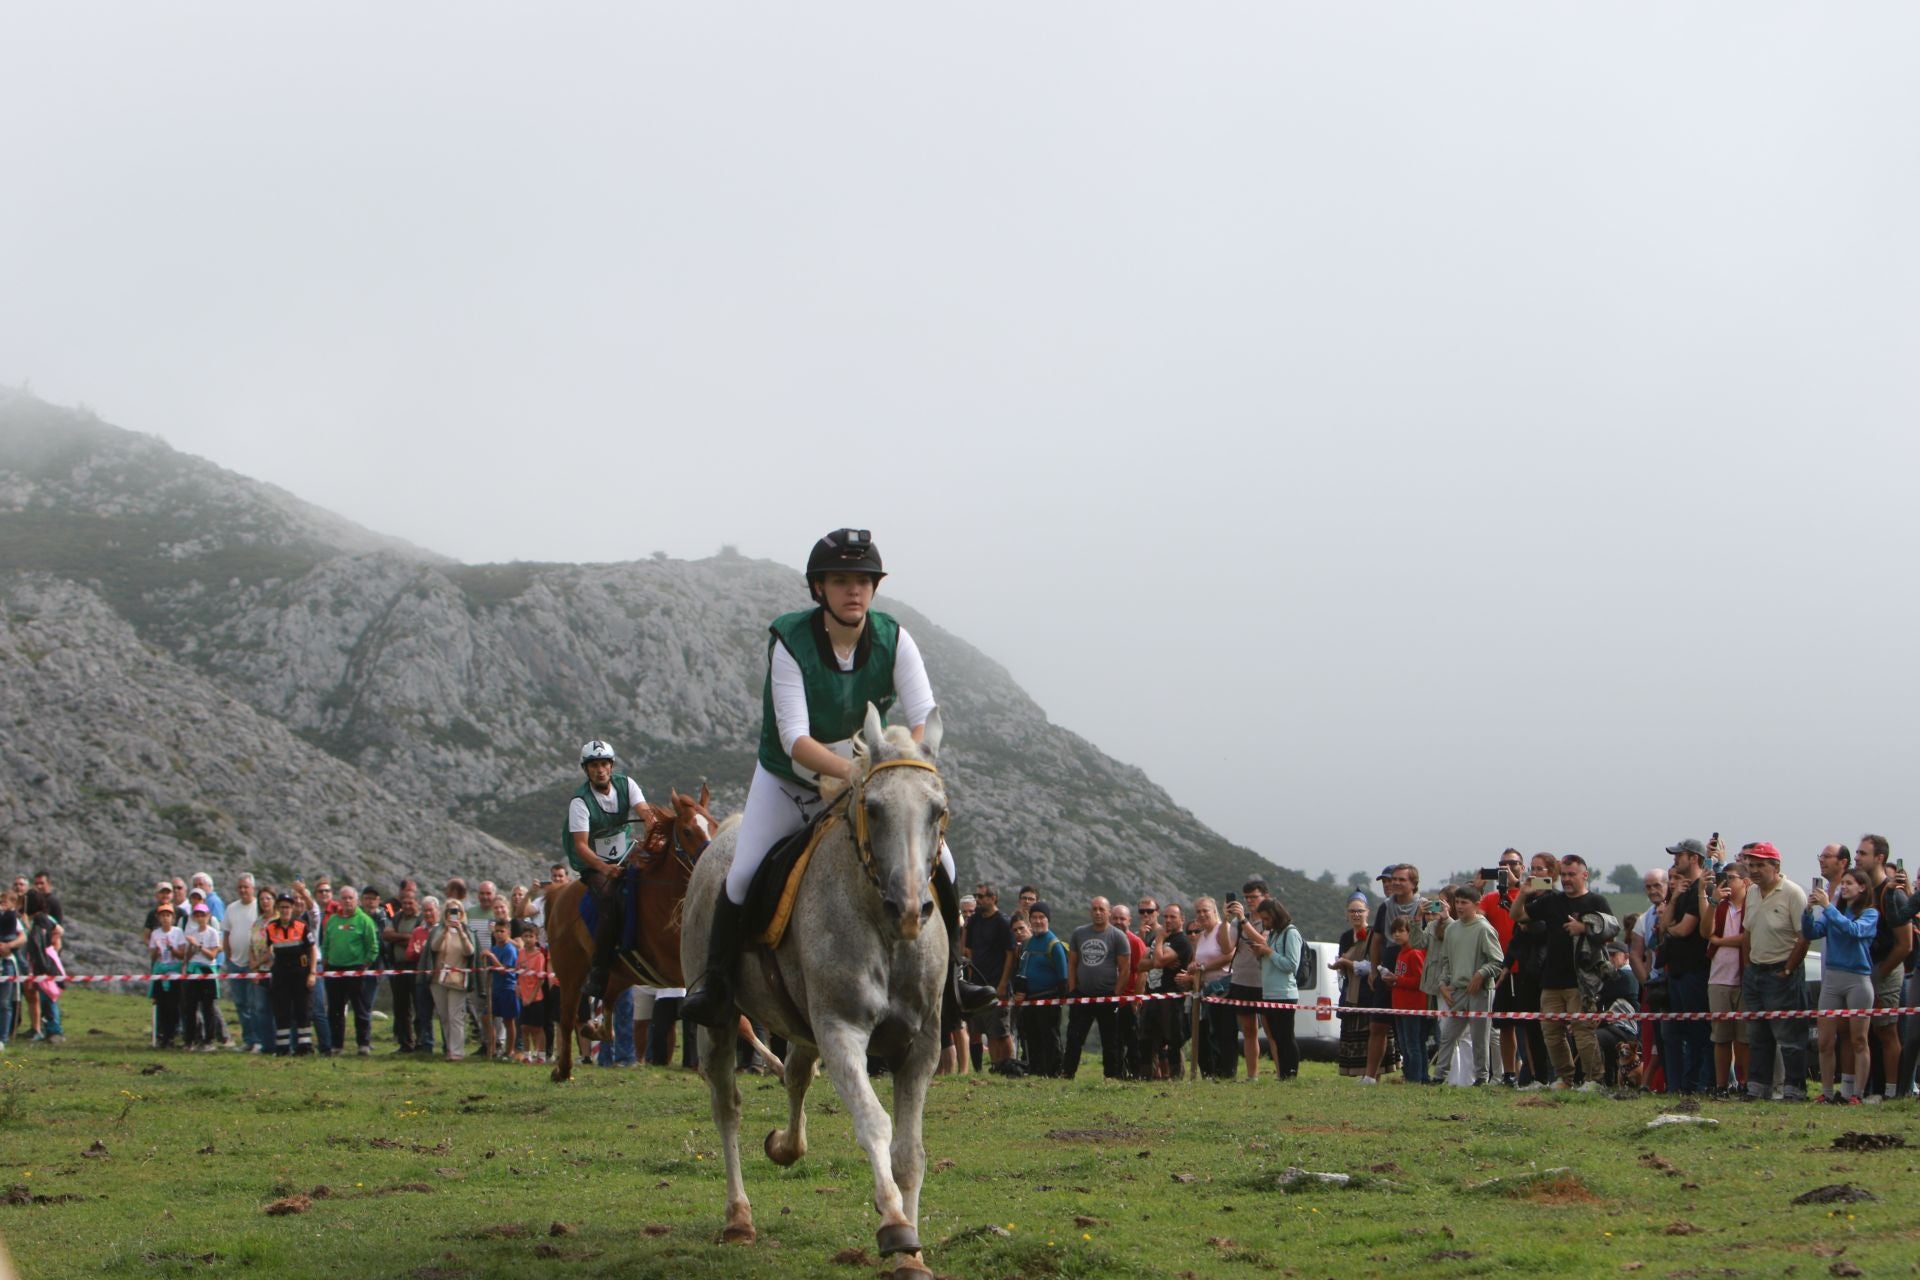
x,y
601,825
836,700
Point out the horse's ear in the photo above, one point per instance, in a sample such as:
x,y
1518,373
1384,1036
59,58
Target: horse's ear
x,y
674,797
874,731
930,735
706,796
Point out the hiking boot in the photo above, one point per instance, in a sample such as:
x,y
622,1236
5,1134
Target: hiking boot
x,y
709,1001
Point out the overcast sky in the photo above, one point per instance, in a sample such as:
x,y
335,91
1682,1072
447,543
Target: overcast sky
x,y
1404,430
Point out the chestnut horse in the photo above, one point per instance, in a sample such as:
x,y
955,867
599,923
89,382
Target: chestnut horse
x,y
662,860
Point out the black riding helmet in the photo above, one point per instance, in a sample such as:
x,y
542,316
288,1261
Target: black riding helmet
x,y
844,551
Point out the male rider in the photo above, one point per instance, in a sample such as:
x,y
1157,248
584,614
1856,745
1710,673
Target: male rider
x,y
599,839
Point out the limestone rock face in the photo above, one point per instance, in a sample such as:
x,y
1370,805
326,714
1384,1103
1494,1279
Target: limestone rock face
x,y
203,672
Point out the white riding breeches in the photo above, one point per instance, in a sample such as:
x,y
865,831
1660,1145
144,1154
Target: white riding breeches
x,y
775,810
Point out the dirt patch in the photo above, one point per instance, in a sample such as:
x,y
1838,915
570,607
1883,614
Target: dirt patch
x,y
1664,1165
561,1229
1091,1135
1082,1220
1836,1193
153,1069
1844,1268
1684,1228
654,1229
288,1204
854,1258
504,1231
1449,1255
1550,1187
405,1188
1848,1141
19,1194
98,1151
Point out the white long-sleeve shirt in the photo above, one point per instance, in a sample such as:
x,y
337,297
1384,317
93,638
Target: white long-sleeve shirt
x,y
790,692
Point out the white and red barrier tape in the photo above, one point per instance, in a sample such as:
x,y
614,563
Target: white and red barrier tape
x,y
1324,1011
246,976
1329,1011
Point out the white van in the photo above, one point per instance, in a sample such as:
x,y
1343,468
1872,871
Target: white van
x,y
1317,1029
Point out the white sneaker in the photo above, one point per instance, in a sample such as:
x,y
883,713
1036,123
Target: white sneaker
x,y
1873,1099
1369,1080
1591,1086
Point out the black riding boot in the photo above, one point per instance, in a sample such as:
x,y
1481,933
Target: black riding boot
x,y
962,997
710,1000
606,941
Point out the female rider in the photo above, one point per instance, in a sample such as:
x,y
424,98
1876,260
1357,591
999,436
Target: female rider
x,y
824,665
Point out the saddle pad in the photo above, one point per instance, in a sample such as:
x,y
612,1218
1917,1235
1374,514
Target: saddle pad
x,y
775,884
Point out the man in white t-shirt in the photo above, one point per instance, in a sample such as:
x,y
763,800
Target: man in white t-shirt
x,y
599,837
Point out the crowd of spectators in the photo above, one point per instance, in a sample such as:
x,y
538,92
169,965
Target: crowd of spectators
x,y
1529,936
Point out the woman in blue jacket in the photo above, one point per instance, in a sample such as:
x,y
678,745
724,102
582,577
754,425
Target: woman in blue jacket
x,y
1846,971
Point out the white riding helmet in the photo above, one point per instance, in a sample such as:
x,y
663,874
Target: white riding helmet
x,y
595,750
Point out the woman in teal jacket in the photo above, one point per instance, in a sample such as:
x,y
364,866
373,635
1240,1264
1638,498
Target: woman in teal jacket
x,y
1279,951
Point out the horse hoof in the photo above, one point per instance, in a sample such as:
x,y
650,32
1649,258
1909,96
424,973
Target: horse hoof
x,y
739,1233
898,1237
909,1266
775,1155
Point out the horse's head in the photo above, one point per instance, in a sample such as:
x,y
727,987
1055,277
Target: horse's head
x,y
693,824
899,815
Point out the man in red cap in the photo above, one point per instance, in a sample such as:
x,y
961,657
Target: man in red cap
x,y
1771,980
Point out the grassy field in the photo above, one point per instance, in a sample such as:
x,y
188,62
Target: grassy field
x,y
117,1160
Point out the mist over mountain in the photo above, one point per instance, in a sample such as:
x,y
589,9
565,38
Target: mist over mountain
x,y
202,671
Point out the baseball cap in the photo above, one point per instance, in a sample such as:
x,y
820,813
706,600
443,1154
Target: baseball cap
x,y
1689,845
1762,850
1616,948
201,908
164,884
1386,873
196,892
285,897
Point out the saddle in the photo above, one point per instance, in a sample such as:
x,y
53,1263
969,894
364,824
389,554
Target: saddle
x,y
777,882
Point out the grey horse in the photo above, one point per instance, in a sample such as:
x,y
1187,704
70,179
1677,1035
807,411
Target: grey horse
x,y
857,973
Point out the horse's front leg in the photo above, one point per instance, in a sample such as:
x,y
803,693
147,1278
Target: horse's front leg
x,y
784,1146
909,1109
569,998
716,1064
843,1051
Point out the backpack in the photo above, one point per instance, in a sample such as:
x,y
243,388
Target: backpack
x,y
1303,975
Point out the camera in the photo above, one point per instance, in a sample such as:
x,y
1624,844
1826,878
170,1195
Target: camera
x,y
1499,874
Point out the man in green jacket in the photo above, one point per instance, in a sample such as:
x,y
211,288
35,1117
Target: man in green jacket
x,y
349,940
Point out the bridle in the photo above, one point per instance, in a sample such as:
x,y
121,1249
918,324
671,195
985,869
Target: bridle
x,y
857,814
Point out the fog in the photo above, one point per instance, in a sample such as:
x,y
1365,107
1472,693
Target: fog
x,y
1404,431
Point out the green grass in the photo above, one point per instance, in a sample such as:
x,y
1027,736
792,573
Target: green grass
x,y
446,1170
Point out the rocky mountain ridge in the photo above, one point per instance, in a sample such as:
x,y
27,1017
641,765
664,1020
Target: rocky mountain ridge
x,y
455,694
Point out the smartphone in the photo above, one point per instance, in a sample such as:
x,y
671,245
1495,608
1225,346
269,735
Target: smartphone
x,y
1819,883
1232,896
1539,882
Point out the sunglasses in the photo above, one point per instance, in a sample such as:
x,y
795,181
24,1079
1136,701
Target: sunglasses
x,y
1194,933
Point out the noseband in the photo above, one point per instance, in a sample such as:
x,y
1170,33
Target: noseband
x,y
857,812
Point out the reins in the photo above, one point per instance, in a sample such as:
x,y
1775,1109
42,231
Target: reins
x,y
857,813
